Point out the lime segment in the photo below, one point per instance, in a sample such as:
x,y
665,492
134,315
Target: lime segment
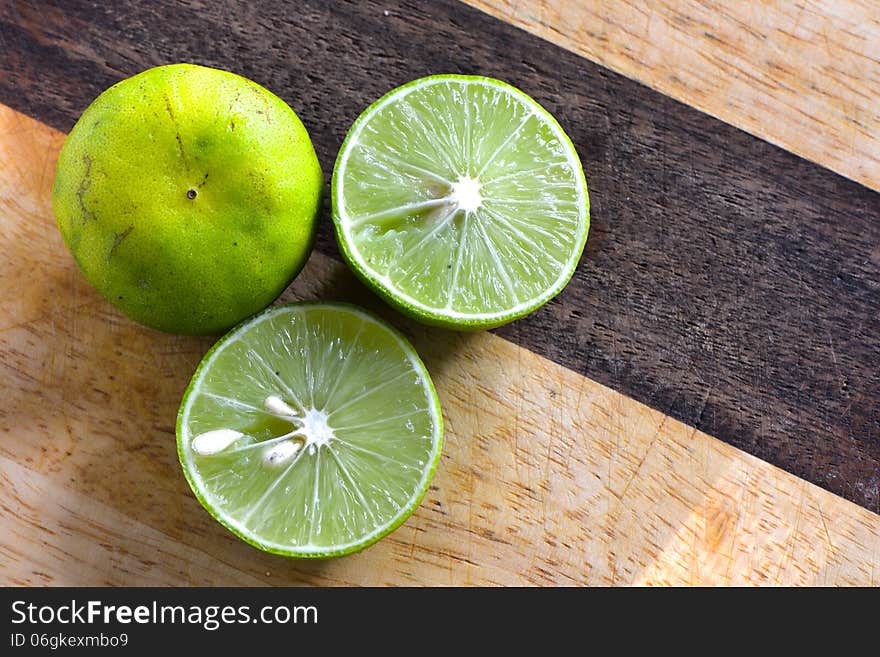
x,y
311,430
460,200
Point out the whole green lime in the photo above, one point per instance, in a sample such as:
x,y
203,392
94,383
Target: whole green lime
x,y
189,197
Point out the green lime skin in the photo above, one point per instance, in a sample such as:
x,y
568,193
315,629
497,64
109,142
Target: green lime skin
x,y
189,197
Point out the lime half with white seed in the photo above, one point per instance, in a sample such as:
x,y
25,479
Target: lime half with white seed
x,y
311,430
461,201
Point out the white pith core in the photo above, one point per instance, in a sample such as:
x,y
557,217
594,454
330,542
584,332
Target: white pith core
x,y
466,194
315,429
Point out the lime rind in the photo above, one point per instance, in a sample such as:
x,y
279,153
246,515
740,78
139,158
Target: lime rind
x,y
514,256
304,550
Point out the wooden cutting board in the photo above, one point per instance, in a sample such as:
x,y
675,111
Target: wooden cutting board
x,y
547,476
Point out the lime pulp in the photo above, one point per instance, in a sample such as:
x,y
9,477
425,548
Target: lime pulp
x,y
311,430
461,201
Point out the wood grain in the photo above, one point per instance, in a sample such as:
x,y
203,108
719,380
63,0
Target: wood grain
x,y
803,75
546,477
727,283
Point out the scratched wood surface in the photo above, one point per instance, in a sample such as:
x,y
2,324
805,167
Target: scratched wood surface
x,y
803,75
727,283
546,477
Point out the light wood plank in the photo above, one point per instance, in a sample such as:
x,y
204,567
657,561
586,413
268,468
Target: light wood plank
x,y
803,75
546,478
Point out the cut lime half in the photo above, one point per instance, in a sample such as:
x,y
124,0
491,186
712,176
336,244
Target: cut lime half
x,y
461,201
311,430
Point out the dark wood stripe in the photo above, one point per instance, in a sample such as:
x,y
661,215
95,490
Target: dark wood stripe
x,y
726,282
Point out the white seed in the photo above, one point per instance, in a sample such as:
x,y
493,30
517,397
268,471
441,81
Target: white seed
x,y
212,442
281,452
278,406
